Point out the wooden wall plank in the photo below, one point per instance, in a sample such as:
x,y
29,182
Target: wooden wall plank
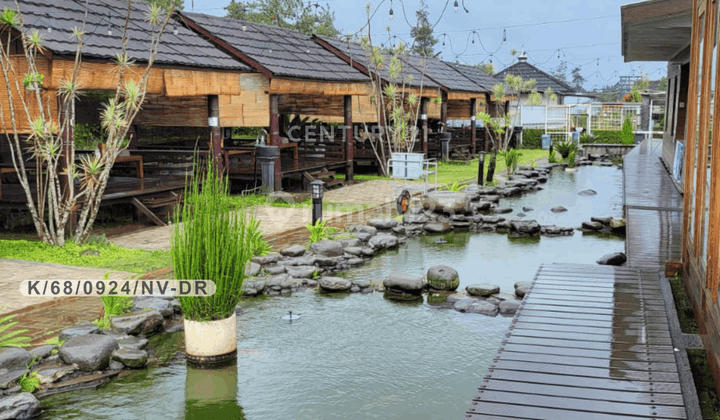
x,y
104,76
288,86
203,82
251,108
161,111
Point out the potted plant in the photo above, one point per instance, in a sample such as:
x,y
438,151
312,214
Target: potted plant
x,y
213,242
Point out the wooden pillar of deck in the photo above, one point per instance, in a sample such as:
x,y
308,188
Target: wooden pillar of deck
x,y
215,132
444,110
473,124
349,139
275,137
424,127
67,138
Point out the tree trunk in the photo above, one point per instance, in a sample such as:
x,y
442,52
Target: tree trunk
x,y
491,167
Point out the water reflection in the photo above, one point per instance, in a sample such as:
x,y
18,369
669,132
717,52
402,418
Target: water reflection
x,y
212,393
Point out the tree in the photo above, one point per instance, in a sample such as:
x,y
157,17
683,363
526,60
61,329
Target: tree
x,y
487,68
290,14
638,87
577,80
663,84
166,4
560,71
422,33
53,197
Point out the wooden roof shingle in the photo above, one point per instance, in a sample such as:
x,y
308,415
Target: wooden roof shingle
x,y
56,19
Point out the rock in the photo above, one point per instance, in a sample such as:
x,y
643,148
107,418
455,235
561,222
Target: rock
x,y
383,241
542,179
446,202
475,306
595,226
252,269
248,291
399,230
510,192
78,329
311,283
347,243
147,323
90,352
525,228
322,261
334,284
274,282
587,193
274,269
354,262
407,284
14,358
19,406
293,251
163,306
494,199
604,220
616,258
460,225
271,258
115,365
7,379
90,253
522,291
51,374
492,219
328,248
363,284
134,359
368,252
301,272
502,296
508,307
521,215
456,297
481,206
357,251
363,236
386,223
502,210
504,224
617,225
482,289
354,289
174,327
42,351
132,343
442,277
522,284
558,209
527,209
306,260
437,227
363,228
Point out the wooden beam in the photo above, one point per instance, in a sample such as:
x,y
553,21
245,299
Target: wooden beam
x,y
349,139
473,123
341,55
444,109
146,211
464,96
424,118
290,86
275,138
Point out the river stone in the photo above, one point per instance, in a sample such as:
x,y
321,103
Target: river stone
x,y
399,230
354,289
42,351
271,258
446,201
248,291
522,284
525,228
328,248
276,280
604,220
510,192
415,218
311,283
134,359
51,374
482,206
19,406
502,296
334,284
323,261
482,289
363,236
301,272
385,223
456,297
368,252
521,215
354,262
587,193
407,284
252,269
383,241
508,307
617,225
152,303
293,251
363,228
357,251
492,219
442,277
350,243
475,306
495,199
90,352
274,269
399,295
558,209
147,323
304,260
13,358
363,284
9,378
616,258
437,227
527,209
522,291
79,329
592,226
505,210
115,365
132,343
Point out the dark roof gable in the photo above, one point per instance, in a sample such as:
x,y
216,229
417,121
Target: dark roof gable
x,y
544,80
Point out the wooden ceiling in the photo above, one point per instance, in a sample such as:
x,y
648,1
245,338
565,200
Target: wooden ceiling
x,y
655,30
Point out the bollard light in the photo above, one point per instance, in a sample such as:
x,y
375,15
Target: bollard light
x,y
316,190
481,167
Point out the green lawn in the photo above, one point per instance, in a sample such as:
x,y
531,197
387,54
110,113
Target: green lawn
x,y
111,257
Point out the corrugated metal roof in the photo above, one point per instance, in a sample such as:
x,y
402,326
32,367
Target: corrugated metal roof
x,y
284,52
61,16
544,80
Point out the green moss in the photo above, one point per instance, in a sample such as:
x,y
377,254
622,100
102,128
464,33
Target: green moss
x,y
704,385
111,257
688,324
166,346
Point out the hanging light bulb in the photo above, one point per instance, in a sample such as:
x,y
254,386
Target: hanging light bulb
x,y
109,30
456,6
504,35
392,14
490,60
244,28
49,29
558,54
175,30
473,36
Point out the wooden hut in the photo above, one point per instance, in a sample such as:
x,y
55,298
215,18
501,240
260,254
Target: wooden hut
x,y
301,82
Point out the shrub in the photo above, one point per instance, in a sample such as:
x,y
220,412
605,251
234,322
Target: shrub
x,y
511,157
626,134
585,138
571,159
532,138
565,147
606,137
211,243
319,231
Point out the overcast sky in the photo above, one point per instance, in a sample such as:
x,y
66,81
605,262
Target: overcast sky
x,y
586,34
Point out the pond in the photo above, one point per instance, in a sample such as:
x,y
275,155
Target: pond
x,y
361,356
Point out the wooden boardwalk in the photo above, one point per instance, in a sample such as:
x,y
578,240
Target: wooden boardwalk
x,y
589,342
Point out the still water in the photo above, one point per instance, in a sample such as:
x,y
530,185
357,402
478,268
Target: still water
x,y
361,356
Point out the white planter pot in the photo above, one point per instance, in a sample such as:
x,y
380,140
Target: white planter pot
x,y
211,342
571,170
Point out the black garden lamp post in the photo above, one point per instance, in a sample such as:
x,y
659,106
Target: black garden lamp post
x,y
316,189
481,167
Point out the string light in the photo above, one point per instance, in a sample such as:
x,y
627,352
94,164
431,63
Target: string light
x,y
244,28
174,29
456,6
49,29
504,36
392,14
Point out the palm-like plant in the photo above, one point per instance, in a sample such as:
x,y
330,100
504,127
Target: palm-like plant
x,y
12,338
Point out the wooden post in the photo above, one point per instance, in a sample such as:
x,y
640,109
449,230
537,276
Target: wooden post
x,y
444,109
67,137
215,132
424,121
473,124
349,140
275,137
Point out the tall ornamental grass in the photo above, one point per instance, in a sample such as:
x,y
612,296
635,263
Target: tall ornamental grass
x,y
211,243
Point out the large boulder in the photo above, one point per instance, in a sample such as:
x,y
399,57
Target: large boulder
x,y
89,352
13,358
133,359
328,248
482,289
383,241
79,329
616,258
19,406
447,202
334,284
442,277
437,227
136,323
407,284
293,251
385,223
476,306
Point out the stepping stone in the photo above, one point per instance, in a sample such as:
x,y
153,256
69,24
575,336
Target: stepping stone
x,y
78,329
134,359
90,352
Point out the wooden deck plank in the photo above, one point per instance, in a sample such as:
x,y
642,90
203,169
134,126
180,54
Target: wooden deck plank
x,y
588,362
585,371
542,413
523,324
592,301
606,338
579,344
584,382
590,323
598,354
593,317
